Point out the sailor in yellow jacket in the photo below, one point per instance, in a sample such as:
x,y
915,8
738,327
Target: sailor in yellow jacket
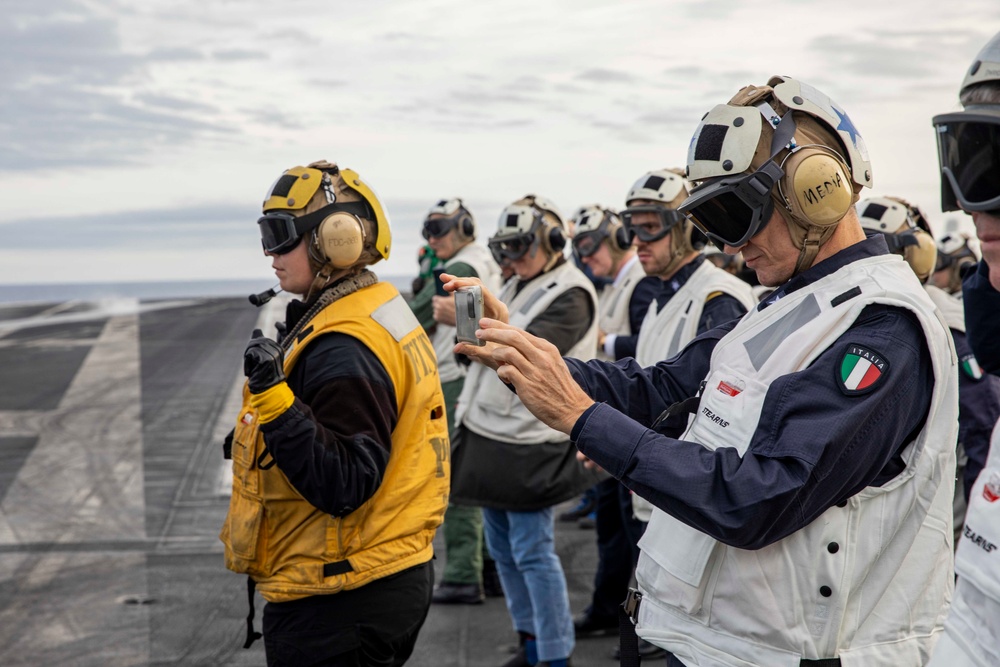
x,y
340,453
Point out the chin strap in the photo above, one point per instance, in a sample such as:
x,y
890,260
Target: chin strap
x,y
339,290
810,246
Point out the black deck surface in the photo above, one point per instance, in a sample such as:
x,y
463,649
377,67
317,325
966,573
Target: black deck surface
x,y
112,491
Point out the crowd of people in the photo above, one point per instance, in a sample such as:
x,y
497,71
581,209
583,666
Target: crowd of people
x,y
779,397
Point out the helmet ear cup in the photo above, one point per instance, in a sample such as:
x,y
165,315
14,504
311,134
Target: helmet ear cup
x,y
340,239
922,256
816,186
621,239
467,228
555,239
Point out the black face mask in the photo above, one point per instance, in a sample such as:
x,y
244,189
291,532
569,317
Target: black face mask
x,y
969,157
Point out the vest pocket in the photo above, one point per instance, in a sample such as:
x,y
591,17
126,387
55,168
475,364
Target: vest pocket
x,y
243,524
681,559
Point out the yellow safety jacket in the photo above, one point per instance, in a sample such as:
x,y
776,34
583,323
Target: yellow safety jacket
x,y
292,549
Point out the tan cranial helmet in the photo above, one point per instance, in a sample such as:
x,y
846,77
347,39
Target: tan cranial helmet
x,y
955,253
662,191
339,214
787,141
906,231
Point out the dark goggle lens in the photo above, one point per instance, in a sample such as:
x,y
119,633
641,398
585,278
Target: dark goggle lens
x,y
510,248
725,218
588,243
647,231
969,152
278,234
437,227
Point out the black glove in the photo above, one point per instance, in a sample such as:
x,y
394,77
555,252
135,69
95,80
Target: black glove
x,y
263,363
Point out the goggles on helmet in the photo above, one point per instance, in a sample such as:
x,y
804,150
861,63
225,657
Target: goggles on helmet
x,y
587,243
511,248
969,156
435,228
280,231
650,230
516,232
730,210
451,212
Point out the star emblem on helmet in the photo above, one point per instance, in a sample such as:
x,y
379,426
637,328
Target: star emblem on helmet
x,y
847,126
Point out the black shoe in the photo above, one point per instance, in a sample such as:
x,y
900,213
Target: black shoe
x,y
588,625
458,594
588,522
646,650
491,580
586,506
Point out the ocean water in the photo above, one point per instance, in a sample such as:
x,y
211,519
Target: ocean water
x,y
51,293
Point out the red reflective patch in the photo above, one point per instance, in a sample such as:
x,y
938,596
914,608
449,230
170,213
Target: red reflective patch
x,y
728,389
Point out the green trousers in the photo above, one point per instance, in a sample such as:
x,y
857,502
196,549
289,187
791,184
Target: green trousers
x,y
463,525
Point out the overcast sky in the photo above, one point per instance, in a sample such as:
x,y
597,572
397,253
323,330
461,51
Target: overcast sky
x,y
137,139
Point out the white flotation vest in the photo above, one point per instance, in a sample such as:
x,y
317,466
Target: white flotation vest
x,y
613,302
665,332
868,582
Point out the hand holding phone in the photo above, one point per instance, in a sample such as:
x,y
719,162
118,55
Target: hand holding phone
x,y
468,312
438,283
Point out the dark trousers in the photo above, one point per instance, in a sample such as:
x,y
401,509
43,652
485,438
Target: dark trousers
x,y
618,534
374,625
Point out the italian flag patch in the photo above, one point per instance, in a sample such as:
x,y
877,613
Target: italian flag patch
x,y
971,368
861,369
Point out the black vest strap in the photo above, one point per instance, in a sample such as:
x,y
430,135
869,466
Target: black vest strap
x,y
628,641
338,567
252,635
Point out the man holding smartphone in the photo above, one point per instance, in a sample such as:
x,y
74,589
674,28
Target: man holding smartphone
x,y
511,464
450,231
803,517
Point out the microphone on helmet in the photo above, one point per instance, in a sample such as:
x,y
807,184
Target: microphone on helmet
x,y
263,297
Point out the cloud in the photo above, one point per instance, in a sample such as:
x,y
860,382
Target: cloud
x,y
600,75
75,97
197,226
173,54
240,54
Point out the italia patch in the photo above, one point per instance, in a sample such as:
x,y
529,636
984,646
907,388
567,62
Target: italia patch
x,y
861,370
971,367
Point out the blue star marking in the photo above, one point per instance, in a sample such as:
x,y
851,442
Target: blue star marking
x,y
847,126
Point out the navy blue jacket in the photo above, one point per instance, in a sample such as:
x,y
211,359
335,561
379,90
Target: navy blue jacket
x,y
978,411
982,318
719,310
814,446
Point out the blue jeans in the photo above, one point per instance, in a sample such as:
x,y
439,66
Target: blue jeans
x,y
523,546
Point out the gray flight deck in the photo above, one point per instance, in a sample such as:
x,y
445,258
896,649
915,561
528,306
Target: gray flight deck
x,y
113,488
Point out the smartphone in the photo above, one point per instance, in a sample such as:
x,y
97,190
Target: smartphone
x,y
468,312
438,283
